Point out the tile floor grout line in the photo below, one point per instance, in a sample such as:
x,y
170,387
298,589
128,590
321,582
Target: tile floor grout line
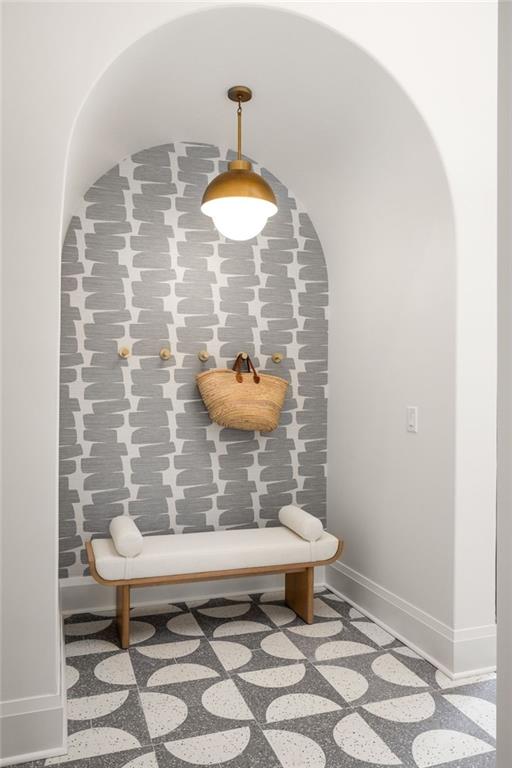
x,y
173,661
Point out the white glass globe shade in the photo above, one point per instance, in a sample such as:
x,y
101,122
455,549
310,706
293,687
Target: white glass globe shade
x,y
239,218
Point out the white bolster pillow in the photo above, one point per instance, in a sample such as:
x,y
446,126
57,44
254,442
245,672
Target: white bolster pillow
x,y
127,538
302,523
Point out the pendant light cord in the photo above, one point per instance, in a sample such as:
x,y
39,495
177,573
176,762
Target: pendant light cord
x,y
239,121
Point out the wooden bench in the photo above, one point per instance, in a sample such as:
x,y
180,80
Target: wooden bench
x,y
174,559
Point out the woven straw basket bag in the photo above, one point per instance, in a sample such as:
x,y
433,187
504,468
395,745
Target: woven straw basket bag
x,y
247,400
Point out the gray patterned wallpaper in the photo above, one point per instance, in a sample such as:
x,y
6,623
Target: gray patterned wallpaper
x,y
142,267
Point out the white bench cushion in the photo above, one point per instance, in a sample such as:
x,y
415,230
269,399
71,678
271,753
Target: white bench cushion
x,y
172,555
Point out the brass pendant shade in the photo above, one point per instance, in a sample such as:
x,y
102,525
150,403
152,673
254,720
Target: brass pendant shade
x,y
239,181
239,200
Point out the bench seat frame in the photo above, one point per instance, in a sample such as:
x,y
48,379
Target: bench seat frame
x,y
299,583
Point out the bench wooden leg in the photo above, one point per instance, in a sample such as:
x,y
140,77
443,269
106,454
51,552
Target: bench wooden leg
x,y
123,614
299,593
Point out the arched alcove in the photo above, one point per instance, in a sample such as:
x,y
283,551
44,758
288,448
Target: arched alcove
x,y
342,133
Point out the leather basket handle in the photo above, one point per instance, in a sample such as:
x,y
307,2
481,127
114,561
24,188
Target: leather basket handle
x,y
237,367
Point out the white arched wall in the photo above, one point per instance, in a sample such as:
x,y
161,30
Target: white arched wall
x,y
335,126
347,136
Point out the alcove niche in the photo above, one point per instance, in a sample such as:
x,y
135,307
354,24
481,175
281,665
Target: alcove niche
x,y
332,124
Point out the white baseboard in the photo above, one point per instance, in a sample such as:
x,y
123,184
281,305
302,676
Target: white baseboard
x,y
456,652
81,593
36,727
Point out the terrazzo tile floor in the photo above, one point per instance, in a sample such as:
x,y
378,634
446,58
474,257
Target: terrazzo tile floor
x,y
244,683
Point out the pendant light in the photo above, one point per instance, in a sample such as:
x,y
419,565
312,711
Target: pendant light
x,y
239,201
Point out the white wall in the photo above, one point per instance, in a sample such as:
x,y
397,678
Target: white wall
x,y
504,602
422,510
392,344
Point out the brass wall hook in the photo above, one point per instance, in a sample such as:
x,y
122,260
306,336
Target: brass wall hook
x,y
277,357
165,353
123,352
203,355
